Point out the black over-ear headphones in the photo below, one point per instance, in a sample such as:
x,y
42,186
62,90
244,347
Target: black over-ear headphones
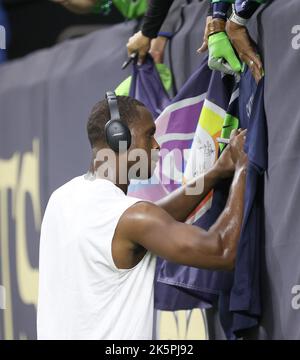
x,y
115,129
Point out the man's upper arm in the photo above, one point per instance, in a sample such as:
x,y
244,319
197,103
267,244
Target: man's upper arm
x,y
153,228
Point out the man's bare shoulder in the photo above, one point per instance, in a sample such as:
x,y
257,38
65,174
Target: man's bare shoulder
x,y
140,218
127,249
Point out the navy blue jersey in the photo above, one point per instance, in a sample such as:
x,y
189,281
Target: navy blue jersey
x,y
240,306
238,292
245,299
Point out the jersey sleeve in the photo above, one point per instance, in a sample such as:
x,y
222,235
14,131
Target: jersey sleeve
x,y
155,16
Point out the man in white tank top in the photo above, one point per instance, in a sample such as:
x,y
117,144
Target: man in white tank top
x,y
98,246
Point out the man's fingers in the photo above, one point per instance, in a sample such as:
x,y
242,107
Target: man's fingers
x,y
141,54
242,135
130,49
203,48
253,57
138,43
255,67
256,74
238,132
141,58
234,133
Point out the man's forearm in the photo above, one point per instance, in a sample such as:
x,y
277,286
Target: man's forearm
x,y
180,203
228,226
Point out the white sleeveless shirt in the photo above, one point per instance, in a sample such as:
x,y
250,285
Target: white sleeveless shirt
x,y
82,294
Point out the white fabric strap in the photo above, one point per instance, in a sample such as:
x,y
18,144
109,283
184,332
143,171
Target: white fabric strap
x,y
237,19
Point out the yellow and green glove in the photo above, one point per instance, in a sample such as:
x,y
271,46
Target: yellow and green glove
x,y
221,54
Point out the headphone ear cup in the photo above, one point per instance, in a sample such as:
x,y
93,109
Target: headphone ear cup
x,y
115,132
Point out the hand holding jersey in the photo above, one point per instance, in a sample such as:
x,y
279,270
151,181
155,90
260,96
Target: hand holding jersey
x,y
241,41
221,53
139,43
221,43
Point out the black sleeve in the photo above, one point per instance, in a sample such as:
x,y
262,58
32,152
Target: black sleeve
x,y
210,9
155,16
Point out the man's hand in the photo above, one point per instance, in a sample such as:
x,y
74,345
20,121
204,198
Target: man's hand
x,y
236,146
204,45
138,43
220,49
221,54
242,43
224,166
158,48
232,156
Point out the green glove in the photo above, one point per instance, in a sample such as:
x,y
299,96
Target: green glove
x,y
221,54
230,123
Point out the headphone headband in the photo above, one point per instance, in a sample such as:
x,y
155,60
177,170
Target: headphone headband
x,y
113,105
116,131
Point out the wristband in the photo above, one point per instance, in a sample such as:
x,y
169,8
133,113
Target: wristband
x,y
237,19
220,10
